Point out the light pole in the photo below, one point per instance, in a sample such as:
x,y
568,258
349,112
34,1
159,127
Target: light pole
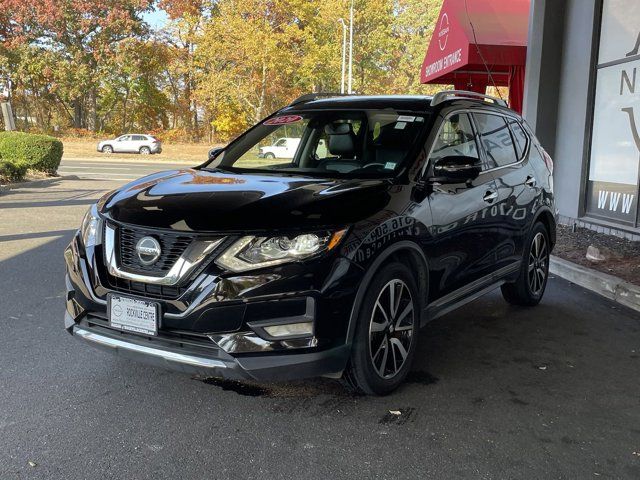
x,y
350,48
344,52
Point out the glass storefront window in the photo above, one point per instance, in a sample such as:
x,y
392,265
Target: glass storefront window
x,y
615,143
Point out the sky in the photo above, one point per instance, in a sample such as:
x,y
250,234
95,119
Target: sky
x,y
156,19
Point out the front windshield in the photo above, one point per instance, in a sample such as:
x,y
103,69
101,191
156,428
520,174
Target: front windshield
x,y
352,144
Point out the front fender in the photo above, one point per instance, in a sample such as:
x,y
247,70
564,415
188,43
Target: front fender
x,y
373,264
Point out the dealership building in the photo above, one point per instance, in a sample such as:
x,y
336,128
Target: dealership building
x,y
579,89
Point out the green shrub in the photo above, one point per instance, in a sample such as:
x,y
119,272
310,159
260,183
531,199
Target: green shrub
x,y
37,152
12,170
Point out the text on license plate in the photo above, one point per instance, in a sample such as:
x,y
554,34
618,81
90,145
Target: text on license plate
x,y
133,315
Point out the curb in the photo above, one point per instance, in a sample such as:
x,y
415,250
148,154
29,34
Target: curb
x,y
36,183
609,286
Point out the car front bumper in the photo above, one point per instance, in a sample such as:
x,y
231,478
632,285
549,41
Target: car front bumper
x,y
214,364
228,345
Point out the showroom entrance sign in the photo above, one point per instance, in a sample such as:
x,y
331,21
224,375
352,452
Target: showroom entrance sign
x,y
499,57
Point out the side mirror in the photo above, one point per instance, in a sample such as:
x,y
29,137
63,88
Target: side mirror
x,y
456,169
214,152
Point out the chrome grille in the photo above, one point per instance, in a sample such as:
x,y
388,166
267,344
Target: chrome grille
x,y
172,246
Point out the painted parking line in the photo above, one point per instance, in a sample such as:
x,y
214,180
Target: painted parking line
x,y
92,167
119,164
129,162
123,167
101,173
105,177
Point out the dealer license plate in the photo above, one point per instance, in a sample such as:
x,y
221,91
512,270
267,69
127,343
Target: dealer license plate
x,y
133,315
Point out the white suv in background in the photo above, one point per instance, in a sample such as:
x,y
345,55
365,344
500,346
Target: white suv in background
x,y
131,143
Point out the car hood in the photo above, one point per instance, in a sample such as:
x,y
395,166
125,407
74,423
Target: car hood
x,y
200,200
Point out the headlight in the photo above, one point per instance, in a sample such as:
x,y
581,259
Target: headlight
x,y
249,252
90,229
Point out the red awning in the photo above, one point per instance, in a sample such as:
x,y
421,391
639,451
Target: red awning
x,y
501,28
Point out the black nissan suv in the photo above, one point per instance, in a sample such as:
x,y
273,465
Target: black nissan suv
x,y
392,211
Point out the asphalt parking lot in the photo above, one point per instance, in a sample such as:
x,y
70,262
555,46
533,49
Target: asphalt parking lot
x,y
497,392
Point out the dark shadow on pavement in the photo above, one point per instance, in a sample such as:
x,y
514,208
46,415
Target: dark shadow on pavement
x,y
25,236
56,203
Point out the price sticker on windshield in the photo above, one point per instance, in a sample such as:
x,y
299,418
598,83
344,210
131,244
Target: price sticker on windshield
x,y
283,120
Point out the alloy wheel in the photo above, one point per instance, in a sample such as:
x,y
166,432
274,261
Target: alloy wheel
x,y
391,328
538,263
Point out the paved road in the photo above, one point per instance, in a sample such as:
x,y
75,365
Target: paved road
x,y
115,170
497,392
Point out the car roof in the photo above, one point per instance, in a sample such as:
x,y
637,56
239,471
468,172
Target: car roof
x,y
415,103
364,102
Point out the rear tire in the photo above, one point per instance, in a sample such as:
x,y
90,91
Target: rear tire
x,y
386,333
108,149
529,288
145,150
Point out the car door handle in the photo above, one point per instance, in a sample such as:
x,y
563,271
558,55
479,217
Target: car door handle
x,y
490,196
530,181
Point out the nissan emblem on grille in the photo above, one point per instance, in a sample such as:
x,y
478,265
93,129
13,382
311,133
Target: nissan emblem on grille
x,y
148,250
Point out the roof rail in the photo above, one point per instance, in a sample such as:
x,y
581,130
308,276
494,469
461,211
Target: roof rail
x,y
315,96
440,97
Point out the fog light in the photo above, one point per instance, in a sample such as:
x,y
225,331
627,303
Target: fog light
x,y
290,329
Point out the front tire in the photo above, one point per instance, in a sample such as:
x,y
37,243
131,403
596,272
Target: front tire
x,y
269,156
529,288
386,333
108,149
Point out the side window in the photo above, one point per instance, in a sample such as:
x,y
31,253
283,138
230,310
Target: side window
x,y
520,138
496,139
125,138
456,138
281,143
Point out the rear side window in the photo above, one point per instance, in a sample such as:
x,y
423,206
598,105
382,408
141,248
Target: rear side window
x,y
139,138
520,138
496,139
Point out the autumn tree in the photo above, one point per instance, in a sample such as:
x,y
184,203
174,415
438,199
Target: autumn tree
x,y
413,27
216,67
246,61
131,95
83,32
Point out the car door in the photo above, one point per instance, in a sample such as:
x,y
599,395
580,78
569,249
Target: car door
x,y
122,144
463,240
137,141
506,145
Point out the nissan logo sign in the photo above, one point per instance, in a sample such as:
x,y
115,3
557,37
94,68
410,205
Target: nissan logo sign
x,y
443,34
148,250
